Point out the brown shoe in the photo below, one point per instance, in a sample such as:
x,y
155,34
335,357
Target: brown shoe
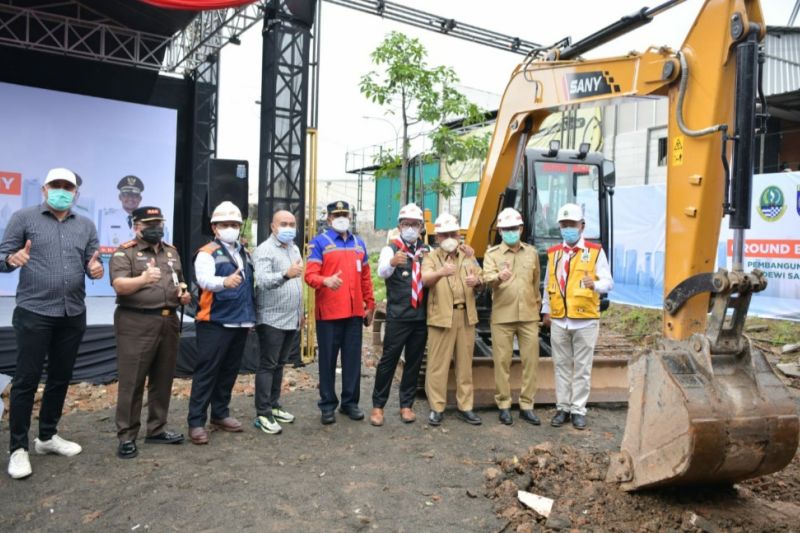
x,y
198,435
376,416
407,415
228,424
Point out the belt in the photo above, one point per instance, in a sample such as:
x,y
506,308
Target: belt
x,y
459,306
164,311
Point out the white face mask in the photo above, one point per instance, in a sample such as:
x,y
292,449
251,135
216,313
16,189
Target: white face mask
x,y
449,245
341,224
409,234
229,235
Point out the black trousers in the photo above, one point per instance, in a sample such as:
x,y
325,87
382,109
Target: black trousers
x,y
334,336
219,356
276,346
412,336
38,336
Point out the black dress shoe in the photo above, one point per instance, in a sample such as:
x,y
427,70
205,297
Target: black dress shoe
x,y
559,419
328,417
165,437
127,449
435,418
353,413
529,416
578,421
469,417
505,417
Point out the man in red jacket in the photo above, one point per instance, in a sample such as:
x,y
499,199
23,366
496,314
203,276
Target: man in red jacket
x,y
339,272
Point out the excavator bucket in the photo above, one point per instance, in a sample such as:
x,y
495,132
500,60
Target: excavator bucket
x,y
694,418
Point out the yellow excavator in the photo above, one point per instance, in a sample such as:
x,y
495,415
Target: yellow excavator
x,y
704,405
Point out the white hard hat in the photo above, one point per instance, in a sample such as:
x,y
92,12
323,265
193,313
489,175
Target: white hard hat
x,y
410,212
509,218
445,223
61,174
570,212
226,212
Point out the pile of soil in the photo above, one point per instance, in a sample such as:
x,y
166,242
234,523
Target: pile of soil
x,y
575,479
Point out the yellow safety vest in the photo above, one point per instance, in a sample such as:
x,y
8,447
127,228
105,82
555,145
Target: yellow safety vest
x,y
581,302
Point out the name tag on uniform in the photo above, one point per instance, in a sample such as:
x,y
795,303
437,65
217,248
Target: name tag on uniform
x,y
585,256
358,265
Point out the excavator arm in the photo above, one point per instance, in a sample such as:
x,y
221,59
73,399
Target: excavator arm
x,y
704,406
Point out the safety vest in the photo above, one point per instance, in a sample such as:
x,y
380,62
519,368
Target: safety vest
x,y
228,306
580,301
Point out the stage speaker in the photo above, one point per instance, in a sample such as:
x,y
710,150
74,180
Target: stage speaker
x,y
227,181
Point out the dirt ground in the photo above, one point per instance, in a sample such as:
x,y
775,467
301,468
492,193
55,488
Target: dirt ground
x,y
344,477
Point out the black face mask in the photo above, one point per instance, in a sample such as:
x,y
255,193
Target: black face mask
x,y
153,235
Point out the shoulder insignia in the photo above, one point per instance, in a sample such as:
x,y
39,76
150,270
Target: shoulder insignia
x,y
554,248
129,244
592,245
311,245
119,254
330,246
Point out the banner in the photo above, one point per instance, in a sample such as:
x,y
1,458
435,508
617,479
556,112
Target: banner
x,y
772,245
123,152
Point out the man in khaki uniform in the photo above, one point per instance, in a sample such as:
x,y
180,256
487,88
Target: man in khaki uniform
x,y
451,275
147,276
511,269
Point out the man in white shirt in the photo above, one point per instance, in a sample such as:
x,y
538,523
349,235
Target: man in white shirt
x,y
577,274
224,272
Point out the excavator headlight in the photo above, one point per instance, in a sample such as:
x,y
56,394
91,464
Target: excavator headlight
x,y
583,150
554,147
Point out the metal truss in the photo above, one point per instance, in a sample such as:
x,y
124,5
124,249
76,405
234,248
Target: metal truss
x,y
208,32
68,28
284,116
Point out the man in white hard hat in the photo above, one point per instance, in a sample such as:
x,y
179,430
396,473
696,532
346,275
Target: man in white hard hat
x,y
400,265
511,269
577,274
54,249
224,270
452,275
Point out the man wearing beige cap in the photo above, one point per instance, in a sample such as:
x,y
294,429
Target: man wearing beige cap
x,y
54,249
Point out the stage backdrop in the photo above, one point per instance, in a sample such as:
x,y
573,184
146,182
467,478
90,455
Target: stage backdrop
x,y
772,244
100,139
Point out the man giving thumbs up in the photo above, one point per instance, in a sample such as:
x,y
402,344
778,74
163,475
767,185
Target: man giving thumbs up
x,y
339,271
51,246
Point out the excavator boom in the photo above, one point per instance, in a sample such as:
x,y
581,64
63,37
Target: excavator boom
x,y
704,406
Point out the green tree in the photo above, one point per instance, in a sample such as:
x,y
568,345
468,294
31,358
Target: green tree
x,y
419,93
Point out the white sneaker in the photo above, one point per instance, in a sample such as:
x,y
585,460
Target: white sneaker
x,y
267,424
282,416
19,466
58,446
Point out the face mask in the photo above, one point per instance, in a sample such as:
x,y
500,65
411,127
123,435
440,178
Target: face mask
x,y
229,235
286,235
409,234
59,199
511,237
570,235
153,235
341,224
449,245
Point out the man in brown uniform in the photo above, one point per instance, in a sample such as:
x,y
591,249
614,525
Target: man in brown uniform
x,y
147,276
511,269
451,274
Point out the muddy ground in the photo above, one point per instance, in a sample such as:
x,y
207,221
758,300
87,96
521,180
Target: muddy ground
x,y
352,476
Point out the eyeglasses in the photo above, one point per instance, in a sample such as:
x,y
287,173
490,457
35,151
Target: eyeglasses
x,y
410,224
452,234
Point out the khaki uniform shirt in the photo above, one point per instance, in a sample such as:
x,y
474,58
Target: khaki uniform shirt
x,y
448,291
517,299
131,259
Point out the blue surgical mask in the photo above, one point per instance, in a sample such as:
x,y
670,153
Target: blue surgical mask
x,y
59,199
570,235
511,237
286,235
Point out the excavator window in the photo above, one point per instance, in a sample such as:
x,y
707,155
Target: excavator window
x,y
558,183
